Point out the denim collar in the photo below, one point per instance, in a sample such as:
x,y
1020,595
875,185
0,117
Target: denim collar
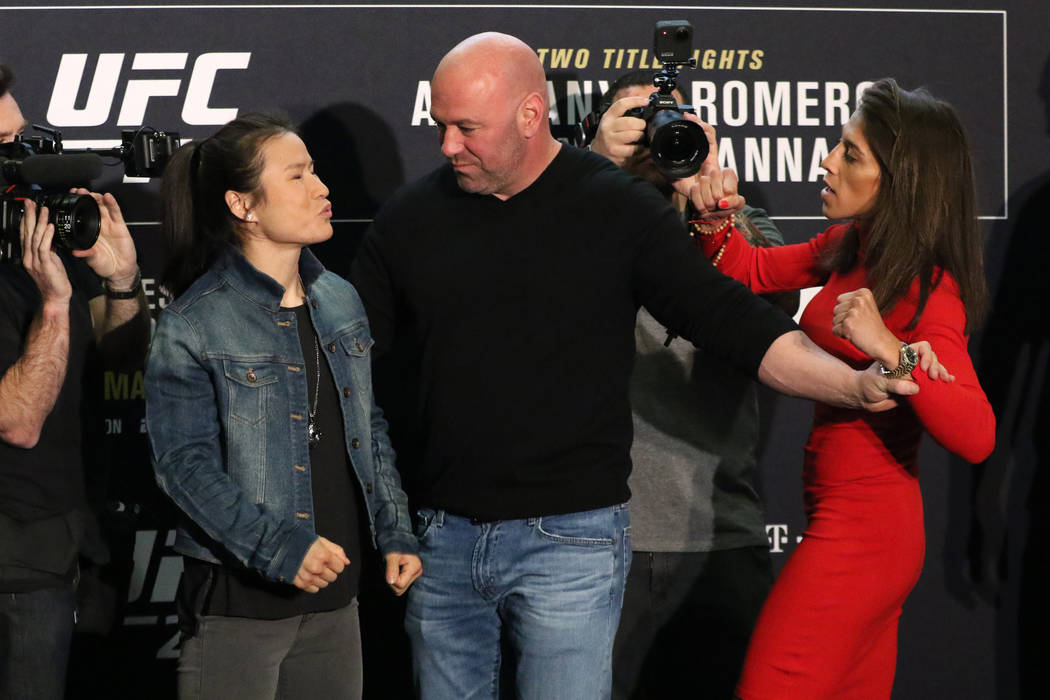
x,y
259,287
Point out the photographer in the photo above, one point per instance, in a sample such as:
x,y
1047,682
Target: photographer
x,y
54,315
701,559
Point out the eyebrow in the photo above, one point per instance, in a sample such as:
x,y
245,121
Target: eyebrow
x,y
850,145
299,164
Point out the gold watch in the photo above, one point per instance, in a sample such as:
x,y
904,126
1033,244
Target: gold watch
x,y
908,359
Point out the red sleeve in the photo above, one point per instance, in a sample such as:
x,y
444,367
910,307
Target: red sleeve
x,y
956,414
784,268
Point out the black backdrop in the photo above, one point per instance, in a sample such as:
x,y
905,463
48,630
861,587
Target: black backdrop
x,y
777,80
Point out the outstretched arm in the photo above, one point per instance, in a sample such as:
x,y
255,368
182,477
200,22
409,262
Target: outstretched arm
x,y
796,366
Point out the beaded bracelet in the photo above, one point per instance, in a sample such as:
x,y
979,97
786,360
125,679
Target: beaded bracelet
x,y
710,228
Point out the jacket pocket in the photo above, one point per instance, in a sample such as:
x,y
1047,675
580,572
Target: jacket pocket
x,y
250,386
357,342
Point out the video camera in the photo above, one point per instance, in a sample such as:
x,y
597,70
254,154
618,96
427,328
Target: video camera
x,y
678,145
37,168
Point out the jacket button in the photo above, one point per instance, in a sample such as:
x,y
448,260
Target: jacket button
x,y
331,347
347,392
355,443
313,303
368,487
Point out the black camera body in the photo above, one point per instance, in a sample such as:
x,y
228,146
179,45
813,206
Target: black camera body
x,y
37,168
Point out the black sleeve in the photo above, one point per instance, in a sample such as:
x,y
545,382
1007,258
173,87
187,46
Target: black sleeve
x,y
370,275
16,313
683,291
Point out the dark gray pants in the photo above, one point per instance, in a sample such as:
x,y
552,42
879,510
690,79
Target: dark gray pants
x,y
307,656
687,618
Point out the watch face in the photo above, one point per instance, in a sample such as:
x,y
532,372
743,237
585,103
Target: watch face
x,y
909,355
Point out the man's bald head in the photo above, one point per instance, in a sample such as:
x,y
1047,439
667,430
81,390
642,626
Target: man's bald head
x,y
497,58
489,98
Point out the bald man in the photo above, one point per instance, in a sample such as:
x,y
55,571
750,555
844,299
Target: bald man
x,y
511,276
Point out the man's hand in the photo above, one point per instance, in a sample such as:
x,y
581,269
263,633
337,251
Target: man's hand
x,y
712,191
113,256
877,390
796,366
40,261
402,570
323,563
619,137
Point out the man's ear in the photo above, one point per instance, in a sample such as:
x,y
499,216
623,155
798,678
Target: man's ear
x,y
531,114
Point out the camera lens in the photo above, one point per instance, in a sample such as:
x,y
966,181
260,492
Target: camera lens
x,y
76,218
678,146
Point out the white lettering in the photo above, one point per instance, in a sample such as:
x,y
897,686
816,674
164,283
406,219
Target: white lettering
x,y
820,152
734,94
804,102
756,160
778,537
789,160
421,109
704,92
62,112
196,110
836,103
552,100
138,92
773,109
578,99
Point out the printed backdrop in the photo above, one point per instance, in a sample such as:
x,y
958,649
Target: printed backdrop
x,y
778,81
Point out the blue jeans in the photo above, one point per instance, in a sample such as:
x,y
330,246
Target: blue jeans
x,y
550,587
35,631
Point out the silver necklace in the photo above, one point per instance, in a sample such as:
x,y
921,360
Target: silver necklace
x,y
313,435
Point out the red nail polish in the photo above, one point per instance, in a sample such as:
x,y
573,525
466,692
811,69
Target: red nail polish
x,y
723,204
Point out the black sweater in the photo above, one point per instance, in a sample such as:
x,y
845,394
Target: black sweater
x,y
520,319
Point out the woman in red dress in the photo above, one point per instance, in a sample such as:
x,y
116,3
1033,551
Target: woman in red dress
x,y
905,267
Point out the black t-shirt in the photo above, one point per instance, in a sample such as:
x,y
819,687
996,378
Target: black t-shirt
x,y
518,316
46,480
215,589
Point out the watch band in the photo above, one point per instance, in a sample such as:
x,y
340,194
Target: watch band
x,y
136,287
905,364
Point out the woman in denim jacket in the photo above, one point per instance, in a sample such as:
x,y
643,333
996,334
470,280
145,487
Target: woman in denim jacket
x,y
279,461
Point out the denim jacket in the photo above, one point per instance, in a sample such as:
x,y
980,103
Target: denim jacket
x,y
226,411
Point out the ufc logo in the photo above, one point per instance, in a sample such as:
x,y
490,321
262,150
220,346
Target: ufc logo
x,y
195,110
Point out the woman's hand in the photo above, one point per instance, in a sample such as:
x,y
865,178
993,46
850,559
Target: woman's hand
x,y
929,364
856,318
712,191
324,561
402,570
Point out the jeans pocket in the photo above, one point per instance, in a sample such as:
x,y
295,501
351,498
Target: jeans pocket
x,y
426,520
593,528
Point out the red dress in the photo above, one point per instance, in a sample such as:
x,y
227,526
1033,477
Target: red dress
x,y
829,626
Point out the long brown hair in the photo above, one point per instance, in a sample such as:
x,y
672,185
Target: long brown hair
x,y
925,214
